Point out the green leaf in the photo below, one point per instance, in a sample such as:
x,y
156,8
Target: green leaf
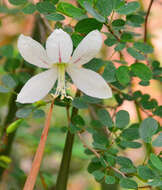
x,y
122,74
7,51
142,71
124,162
91,100
87,25
99,175
81,2
74,128
70,10
128,8
4,89
95,64
105,118
135,54
13,126
131,133
158,111
93,12
29,9
105,7
109,179
109,72
158,141
155,182
55,17
78,120
8,81
130,144
23,112
79,103
118,23
137,19
126,37
18,2
157,163
110,41
76,38
145,173
120,47
143,47
45,7
122,119
128,183
148,128
38,113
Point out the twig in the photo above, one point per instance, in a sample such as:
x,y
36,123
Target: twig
x,y
30,182
97,154
46,23
146,20
143,187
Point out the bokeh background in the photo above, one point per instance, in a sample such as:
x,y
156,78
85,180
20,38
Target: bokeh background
x,y
27,136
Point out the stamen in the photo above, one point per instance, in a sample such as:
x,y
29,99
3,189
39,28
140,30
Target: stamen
x,y
61,88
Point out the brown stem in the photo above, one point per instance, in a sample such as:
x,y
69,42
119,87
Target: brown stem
x,y
30,182
146,20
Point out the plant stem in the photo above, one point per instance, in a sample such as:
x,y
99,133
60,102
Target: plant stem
x,y
63,174
146,20
30,182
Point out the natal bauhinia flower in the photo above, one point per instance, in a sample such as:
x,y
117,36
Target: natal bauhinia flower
x,y
58,60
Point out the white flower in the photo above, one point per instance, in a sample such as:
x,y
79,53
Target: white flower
x,y
57,59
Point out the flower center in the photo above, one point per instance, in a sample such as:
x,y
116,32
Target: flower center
x,y
61,88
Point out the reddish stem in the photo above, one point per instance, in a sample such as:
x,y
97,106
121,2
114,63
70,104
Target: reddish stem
x,y
30,182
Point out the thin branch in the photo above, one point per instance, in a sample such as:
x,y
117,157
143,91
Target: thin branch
x,y
97,154
146,20
46,23
30,182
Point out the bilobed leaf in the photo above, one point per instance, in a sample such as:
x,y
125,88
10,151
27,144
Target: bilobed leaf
x,y
128,8
122,119
134,53
118,23
87,25
137,19
130,144
29,9
158,141
122,74
105,118
18,2
145,173
105,7
158,111
147,129
45,7
8,81
109,72
7,51
98,175
93,12
76,38
109,179
143,47
128,183
55,17
23,112
124,162
79,103
70,10
4,89
81,2
157,163
38,113
142,71
120,47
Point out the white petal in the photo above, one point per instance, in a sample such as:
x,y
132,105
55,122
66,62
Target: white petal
x,y
90,82
32,51
37,87
88,48
59,46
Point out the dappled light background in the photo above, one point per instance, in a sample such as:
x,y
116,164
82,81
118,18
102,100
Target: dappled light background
x,y
28,135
